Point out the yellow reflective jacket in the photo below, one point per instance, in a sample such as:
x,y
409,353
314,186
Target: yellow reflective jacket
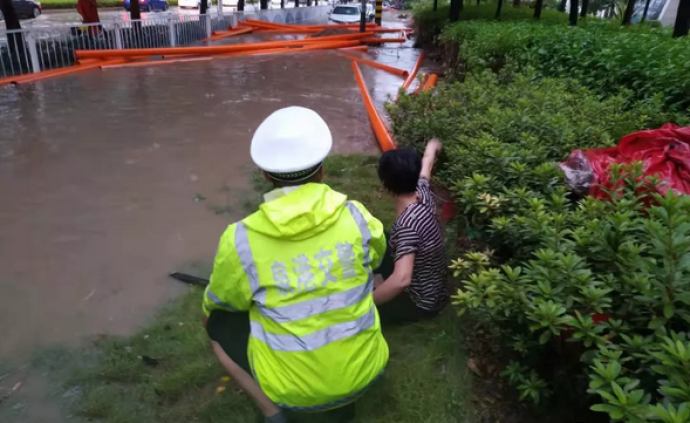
x,y
302,266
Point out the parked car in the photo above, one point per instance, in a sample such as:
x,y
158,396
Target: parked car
x,y
191,4
344,14
148,5
25,9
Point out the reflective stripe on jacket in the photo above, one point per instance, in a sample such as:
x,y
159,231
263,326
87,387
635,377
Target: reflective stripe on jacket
x,y
302,266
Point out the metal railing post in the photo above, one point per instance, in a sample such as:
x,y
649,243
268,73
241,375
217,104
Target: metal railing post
x,y
209,30
172,31
33,52
118,36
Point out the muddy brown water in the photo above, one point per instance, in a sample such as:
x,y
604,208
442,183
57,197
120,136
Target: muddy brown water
x,y
111,179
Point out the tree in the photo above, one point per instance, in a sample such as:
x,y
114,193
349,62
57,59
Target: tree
x,y
537,9
498,9
15,41
561,5
296,3
203,7
516,3
134,10
572,18
628,14
264,4
646,10
435,5
680,29
282,4
585,6
455,8
11,18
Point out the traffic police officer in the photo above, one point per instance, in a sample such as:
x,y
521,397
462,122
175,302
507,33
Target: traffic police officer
x,y
290,300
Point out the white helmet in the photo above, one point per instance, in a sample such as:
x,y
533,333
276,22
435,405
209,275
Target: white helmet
x,y
290,141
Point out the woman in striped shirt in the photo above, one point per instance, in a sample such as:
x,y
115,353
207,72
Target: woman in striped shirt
x,y
415,275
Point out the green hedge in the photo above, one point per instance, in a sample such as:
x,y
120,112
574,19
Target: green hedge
x,y
430,23
600,54
645,60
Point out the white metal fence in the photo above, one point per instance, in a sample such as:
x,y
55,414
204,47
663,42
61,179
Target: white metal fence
x,y
32,50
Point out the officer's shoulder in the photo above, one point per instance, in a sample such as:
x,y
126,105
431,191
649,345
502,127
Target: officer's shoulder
x,y
228,236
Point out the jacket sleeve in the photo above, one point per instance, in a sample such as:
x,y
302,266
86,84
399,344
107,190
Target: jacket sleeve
x,y
377,243
229,288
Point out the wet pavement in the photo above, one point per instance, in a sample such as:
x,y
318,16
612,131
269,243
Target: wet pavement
x,y
111,179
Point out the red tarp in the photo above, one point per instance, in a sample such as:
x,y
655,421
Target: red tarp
x,y
664,152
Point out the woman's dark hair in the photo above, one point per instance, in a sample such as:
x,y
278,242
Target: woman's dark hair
x,y
399,170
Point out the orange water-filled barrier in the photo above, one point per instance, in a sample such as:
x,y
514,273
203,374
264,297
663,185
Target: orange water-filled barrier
x,y
33,77
219,35
308,47
413,74
420,86
390,69
154,62
358,48
210,50
382,135
351,40
375,40
430,82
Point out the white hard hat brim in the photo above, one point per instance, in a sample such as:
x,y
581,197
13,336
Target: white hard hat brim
x,y
291,140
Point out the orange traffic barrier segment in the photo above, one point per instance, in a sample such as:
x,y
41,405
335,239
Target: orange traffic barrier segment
x,y
390,69
296,31
311,47
413,74
258,24
430,82
375,40
389,30
209,50
382,135
219,35
33,77
154,62
307,47
357,48
421,83
353,36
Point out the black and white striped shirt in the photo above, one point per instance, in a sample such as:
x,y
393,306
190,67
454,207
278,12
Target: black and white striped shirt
x,y
418,231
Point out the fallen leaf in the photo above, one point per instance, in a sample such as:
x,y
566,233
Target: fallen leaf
x,y
225,378
91,294
220,389
474,367
12,391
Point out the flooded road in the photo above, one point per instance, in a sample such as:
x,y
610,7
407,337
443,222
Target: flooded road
x,y
111,179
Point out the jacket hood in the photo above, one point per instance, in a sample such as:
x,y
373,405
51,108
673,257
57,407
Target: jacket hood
x,y
301,214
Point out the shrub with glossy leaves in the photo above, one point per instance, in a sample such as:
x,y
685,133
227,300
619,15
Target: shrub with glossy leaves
x,y
613,276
